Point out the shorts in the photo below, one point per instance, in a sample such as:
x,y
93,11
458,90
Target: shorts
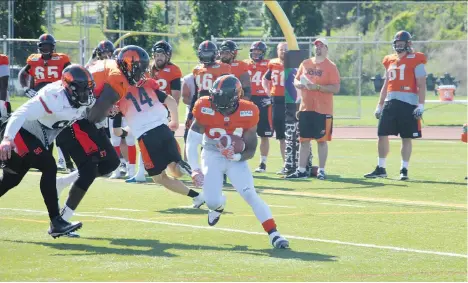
x,y
315,126
158,148
84,142
265,124
397,119
279,120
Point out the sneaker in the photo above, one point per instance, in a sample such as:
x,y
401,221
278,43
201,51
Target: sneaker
x,y
60,227
123,168
378,172
277,241
321,175
116,174
297,175
213,216
285,171
198,201
184,167
403,174
261,168
61,165
136,179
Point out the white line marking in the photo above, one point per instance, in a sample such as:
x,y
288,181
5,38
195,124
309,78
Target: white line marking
x,y
123,209
185,206
285,206
342,204
259,233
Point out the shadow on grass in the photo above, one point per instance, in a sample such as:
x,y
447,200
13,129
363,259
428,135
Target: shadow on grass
x,y
188,210
156,248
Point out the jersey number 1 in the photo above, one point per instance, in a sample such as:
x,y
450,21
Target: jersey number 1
x,y
144,98
392,72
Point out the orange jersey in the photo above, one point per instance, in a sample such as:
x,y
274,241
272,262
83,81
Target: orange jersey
x,y
47,71
402,73
165,76
277,77
256,71
238,68
205,76
323,73
245,117
107,72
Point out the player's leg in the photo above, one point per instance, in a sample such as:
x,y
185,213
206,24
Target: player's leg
x,y
116,144
159,150
61,160
325,125
213,166
279,125
409,128
264,129
387,126
242,181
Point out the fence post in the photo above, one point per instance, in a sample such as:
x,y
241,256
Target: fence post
x,y
5,45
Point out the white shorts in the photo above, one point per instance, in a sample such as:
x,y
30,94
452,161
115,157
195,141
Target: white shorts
x,y
115,140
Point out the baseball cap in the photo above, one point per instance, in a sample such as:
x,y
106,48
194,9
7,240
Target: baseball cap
x,y
324,41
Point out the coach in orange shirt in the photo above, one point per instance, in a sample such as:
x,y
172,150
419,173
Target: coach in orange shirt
x,y
318,79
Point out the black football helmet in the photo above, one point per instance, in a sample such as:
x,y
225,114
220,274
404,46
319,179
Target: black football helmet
x,y
133,61
79,85
402,36
116,53
46,44
230,46
105,49
257,45
207,52
225,94
165,48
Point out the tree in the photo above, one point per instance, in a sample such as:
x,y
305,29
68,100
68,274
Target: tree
x,y
335,15
133,13
218,18
155,23
304,16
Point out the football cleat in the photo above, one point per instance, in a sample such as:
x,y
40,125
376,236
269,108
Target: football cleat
x,y
321,175
198,201
72,235
213,216
378,172
403,174
116,174
261,168
136,179
60,227
123,168
61,165
277,241
297,175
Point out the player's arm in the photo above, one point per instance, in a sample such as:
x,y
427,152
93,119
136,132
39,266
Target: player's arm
x,y
4,77
175,89
266,82
117,126
383,92
251,140
420,73
186,95
103,104
246,87
194,139
23,77
171,104
32,110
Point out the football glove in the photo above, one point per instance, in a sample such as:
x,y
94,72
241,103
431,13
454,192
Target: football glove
x,y
418,112
378,111
198,178
228,152
30,93
5,149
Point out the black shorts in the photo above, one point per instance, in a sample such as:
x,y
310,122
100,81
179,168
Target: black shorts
x,y
159,148
265,124
84,142
397,119
315,126
279,120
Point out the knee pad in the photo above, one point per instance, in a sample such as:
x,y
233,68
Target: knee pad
x,y
87,172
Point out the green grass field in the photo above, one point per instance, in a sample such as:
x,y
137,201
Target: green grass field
x,y
435,115
346,228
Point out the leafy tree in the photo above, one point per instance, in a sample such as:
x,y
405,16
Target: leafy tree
x,y
134,14
217,18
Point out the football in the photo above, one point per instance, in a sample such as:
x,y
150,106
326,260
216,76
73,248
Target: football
x,y
236,141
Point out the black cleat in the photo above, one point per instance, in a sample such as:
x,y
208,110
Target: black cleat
x,y
60,227
285,171
261,168
403,174
213,216
297,175
379,172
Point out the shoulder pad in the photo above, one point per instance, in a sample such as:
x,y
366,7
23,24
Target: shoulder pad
x,y
52,95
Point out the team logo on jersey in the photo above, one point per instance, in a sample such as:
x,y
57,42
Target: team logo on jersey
x,y
410,56
314,72
55,58
216,66
207,111
166,70
234,64
35,58
226,119
263,64
246,113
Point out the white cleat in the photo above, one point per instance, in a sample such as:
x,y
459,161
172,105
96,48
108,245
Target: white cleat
x,y
198,201
213,216
61,166
278,242
115,174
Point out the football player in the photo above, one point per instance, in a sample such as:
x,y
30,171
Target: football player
x,y
30,131
240,69
273,84
89,146
5,107
41,69
401,104
144,108
257,67
103,51
223,112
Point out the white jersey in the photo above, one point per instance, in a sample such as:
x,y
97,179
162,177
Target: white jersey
x,y
189,81
143,109
45,115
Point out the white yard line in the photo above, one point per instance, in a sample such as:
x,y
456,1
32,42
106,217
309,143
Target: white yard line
x,y
283,206
392,248
337,204
123,209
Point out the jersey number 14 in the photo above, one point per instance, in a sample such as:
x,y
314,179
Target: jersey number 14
x,y
144,99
